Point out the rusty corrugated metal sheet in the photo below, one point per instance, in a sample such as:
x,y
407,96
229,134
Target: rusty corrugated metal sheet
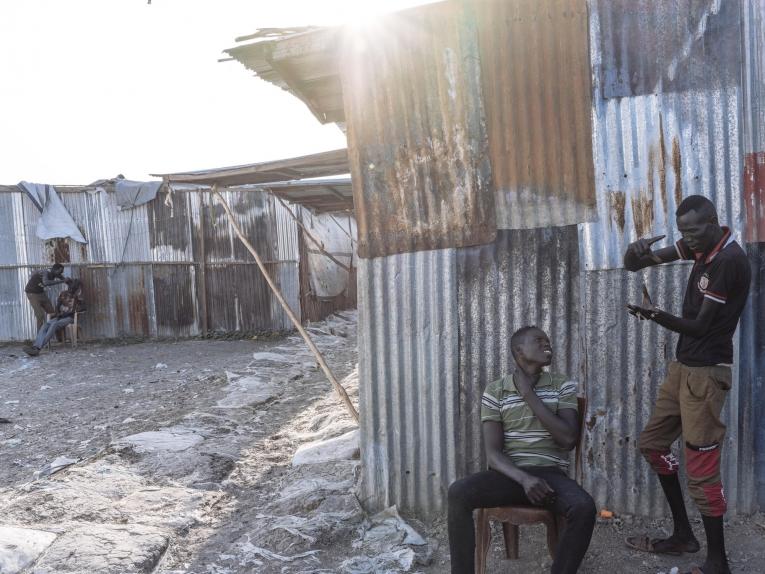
x,y
651,148
417,141
752,334
300,61
537,96
656,139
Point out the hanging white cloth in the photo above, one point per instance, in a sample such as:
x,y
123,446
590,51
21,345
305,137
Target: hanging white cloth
x,y
55,220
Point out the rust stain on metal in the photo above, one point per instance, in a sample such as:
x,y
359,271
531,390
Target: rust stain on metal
x,y
677,168
662,165
642,213
618,201
754,196
61,251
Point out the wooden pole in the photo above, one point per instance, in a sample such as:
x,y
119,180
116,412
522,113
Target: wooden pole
x,y
203,264
322,363
311,237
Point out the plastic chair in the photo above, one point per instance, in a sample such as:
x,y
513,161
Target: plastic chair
x,y
511,517
72,331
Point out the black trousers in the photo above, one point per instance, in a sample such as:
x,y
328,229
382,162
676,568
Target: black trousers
x,y
490,488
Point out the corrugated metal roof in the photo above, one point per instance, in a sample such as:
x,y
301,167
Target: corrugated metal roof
x,y
319,195
416,134
300,61
537,95
322,164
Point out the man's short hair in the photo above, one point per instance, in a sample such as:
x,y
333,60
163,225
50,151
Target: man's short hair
x,y
519,335
57,268
74,284
697,203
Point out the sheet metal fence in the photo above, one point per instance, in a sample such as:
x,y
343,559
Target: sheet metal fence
x,y
169,268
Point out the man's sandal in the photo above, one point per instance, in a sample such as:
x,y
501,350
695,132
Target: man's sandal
x,y
662,546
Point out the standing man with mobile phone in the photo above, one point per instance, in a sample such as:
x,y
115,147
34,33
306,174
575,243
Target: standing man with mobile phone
x,y
692,396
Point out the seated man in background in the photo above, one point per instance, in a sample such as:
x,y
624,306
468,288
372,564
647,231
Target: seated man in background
x,y
530,424
69,302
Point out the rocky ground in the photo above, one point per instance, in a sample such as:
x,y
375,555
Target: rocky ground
x,y
225,457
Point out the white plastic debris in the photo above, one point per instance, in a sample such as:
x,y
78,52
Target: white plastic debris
x,y
20,547
159,366
343,447
273,357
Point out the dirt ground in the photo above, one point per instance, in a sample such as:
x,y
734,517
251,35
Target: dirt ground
x,y
177,458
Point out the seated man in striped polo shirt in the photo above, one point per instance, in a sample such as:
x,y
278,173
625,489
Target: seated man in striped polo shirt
x,y
530,424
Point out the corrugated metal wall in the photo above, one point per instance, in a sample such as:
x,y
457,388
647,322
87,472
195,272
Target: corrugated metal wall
x,y
408,379
416,136
752,334
670,118
536,93
168,268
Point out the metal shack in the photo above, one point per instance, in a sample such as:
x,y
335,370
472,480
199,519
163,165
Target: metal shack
x,y
503,154
172,267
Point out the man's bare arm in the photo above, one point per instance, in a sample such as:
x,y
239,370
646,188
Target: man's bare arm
x,y
692,327
537,490
639,254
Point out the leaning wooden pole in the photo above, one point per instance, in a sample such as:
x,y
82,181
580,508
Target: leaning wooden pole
x,y
322,363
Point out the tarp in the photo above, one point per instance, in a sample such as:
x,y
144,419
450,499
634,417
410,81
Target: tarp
x,y
134,193
55,220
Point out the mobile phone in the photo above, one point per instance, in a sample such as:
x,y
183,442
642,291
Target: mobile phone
x,y
646,296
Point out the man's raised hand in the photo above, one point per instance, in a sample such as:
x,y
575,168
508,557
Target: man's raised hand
x,y
642,247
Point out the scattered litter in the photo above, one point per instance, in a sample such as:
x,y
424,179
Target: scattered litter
x,y
249,548
384,563
128,391
128,420
45,388
606,514
160,366
385,545
11,402
57,465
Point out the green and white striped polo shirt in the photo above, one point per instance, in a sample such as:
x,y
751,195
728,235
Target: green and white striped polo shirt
x,y
527,442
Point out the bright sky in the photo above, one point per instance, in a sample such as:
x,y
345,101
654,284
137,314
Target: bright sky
x,y
94,88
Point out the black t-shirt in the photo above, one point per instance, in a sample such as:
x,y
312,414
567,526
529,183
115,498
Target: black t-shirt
x,y
722,276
